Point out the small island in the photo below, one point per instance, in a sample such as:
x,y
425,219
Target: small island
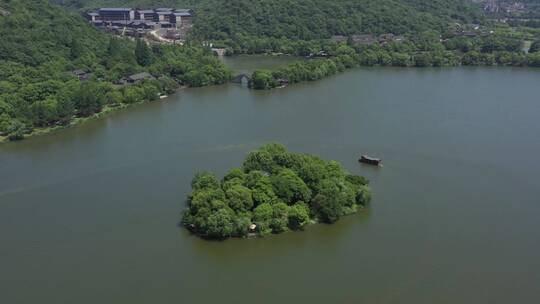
x,y
274,191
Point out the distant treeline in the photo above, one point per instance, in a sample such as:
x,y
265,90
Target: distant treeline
x,y
426,50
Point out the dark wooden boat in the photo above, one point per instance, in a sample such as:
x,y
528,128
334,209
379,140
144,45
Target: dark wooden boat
x,y
370,160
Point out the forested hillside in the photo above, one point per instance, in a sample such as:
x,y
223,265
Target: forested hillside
x,y
82,4
43,46
315,19
34,33
308,19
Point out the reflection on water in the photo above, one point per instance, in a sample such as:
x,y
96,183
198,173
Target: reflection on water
x,y
314,237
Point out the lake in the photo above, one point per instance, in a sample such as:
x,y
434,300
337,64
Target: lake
x,y
90,214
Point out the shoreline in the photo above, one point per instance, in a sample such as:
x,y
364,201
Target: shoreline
x,y
76,121
257,235
108,109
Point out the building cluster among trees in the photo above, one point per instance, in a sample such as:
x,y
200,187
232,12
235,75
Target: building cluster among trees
x,y
142,18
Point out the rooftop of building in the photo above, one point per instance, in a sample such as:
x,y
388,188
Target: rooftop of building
x,y
140,76
116,9
182,14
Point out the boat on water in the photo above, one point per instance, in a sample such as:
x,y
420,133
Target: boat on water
x,y
370,160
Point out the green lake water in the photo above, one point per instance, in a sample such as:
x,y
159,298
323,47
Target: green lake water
x,y
90,214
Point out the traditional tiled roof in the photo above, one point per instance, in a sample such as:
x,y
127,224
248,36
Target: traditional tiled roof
x,y
116,9
140,76
182,14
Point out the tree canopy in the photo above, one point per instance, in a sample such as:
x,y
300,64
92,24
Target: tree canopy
x,y
307,19
275,190
54,67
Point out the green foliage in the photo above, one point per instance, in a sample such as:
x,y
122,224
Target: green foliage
x,y
317,19
239,198
220,223
42,44
298,216
534,59
289,187
16,130
204,180
262,80
239,21
333,200
280,217
262,217
143,53
535,47
270,192
5,123
90,98
422,50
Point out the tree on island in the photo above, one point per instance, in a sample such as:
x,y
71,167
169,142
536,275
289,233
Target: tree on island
x,y
262,80
274,191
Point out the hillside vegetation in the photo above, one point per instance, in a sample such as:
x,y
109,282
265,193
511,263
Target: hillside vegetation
x,y
317,19
308,19
41,44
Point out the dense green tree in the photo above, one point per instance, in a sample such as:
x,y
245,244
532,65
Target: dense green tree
x,y
259,160
275,199
220,224
423,60
90,98
298,216
143,53
133,94
235,174
262,217
150,91
262,80
280,220
196,78
332,199
44,112
263,193
204,198
535,47
76,49
204,180
534,59
239,198
289,187
5,123
65,108
16,130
